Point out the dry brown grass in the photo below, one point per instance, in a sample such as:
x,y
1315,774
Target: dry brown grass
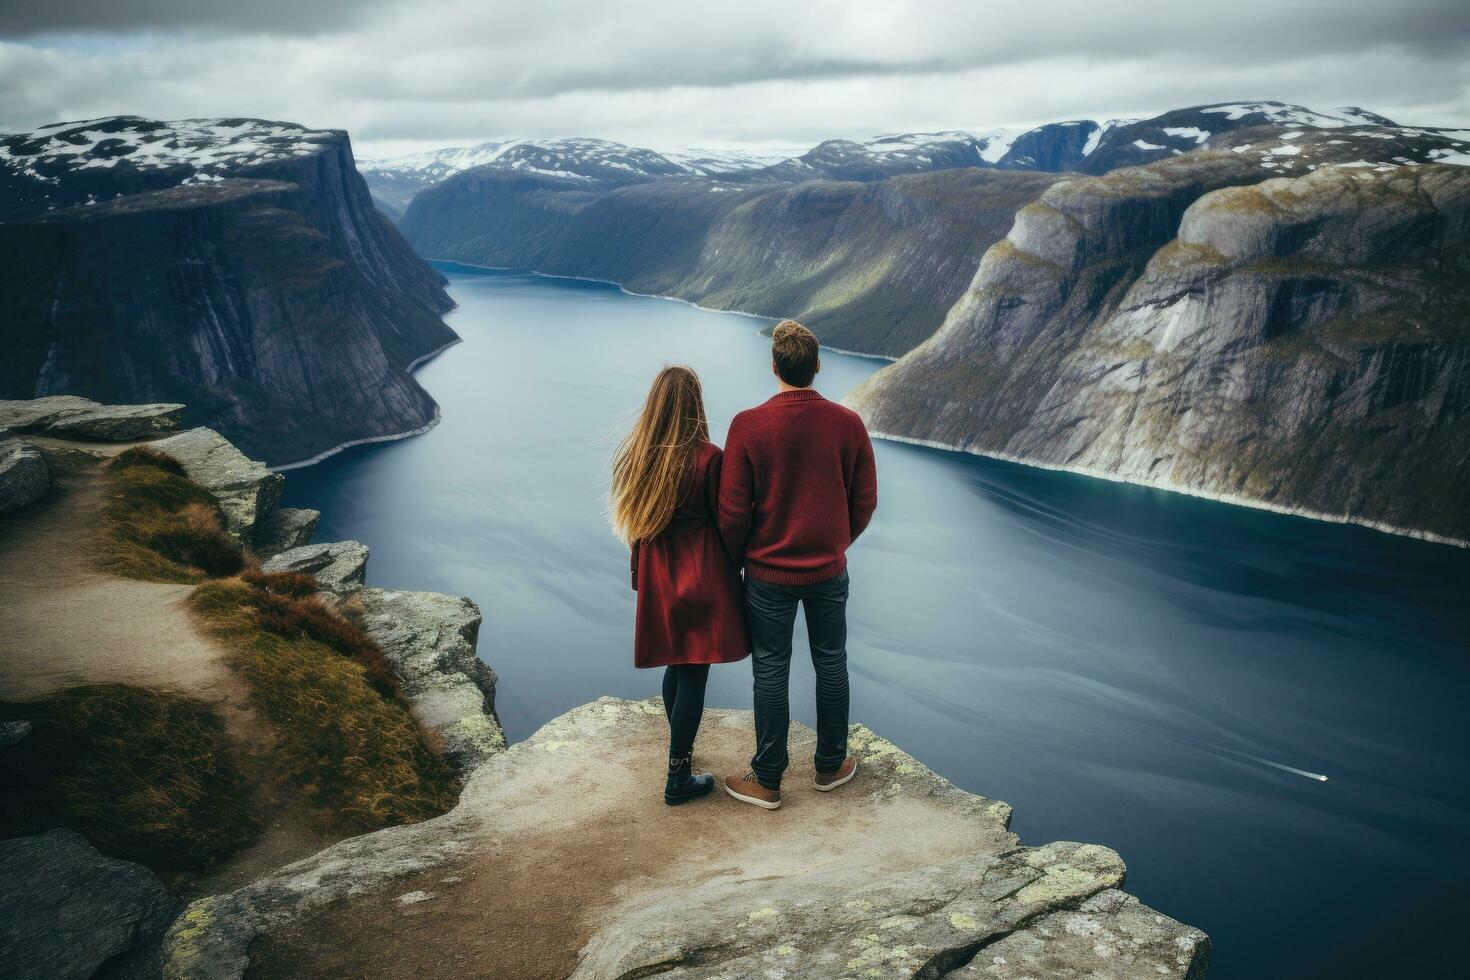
x,y
144,775
346,734
160,527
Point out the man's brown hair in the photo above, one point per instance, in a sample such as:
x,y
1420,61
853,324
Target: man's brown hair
x,y
794,351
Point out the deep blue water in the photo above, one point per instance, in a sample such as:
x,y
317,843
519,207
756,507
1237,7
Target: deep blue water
x,y
1123,665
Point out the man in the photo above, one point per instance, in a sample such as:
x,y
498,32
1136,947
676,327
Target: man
x,y
798,487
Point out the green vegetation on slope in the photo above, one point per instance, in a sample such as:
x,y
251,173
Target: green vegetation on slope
x,y
160,527
145,775
346,736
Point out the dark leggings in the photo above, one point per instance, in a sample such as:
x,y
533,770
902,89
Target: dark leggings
x,y
684,704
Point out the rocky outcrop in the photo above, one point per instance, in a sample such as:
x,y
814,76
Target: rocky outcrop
x,y
236,266
285,528
907,876
246,490
338,566
1111,936
72,417
69,911
1299,343
430,640
23,473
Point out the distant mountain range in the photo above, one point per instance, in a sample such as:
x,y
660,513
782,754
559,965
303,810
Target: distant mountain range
x,y
1250,300
235,265
1080,145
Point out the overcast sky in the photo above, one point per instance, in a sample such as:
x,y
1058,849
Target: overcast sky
x,y
403,76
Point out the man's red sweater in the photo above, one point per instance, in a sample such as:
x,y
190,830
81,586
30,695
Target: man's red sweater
x,y
798,487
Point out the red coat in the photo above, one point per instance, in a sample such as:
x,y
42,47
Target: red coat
x,y
691,609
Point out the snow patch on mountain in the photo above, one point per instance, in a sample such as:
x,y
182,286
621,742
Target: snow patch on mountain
x,y
1189,133
207,145
713,162
1283,114
571,158
996,143
436,163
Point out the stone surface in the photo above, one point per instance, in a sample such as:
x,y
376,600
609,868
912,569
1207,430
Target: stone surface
x,y
73,417
897,874
247,492
1108,937
68,910
338,566
285,528
24,476
430,640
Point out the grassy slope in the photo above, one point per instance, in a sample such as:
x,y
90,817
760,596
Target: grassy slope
x,y
151,776
345,734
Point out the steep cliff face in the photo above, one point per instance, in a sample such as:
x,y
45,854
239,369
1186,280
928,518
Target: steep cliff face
x,y
1300,342
870,267
235,266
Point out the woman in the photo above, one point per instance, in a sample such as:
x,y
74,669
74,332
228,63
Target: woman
x,y
666,478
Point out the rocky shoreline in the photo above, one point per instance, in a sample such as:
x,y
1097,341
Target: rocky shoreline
x,y
909,876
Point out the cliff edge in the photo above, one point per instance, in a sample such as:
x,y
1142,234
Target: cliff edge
x,y
236,266
561,860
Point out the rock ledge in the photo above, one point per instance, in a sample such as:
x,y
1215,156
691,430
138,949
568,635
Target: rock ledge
x,y
899,874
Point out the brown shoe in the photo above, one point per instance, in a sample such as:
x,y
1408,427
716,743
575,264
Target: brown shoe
x,y
826,782
748,790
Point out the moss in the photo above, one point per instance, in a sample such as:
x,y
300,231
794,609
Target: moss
x,y
1004,250
144,775
160,527
1249,199
1181,255
345,735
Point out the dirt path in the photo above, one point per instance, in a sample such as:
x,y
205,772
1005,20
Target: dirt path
x,y
63,623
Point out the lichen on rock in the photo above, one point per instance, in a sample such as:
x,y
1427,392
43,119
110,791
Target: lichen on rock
x,y
246,490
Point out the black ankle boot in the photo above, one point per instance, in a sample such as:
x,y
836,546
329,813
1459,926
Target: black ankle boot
x,y
683,785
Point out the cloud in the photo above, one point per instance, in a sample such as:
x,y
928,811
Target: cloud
x,y
269,16
666,75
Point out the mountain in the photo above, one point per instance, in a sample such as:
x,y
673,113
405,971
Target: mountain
x,y
395,181
711,162
1054,147
872,266
1300,342
1228,124
234,265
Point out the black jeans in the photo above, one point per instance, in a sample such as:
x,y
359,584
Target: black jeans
x,y
771,614
684,705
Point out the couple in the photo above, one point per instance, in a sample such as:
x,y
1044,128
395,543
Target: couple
x,y
792,490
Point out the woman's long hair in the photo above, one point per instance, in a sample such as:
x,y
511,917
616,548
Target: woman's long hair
x,y
653,462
